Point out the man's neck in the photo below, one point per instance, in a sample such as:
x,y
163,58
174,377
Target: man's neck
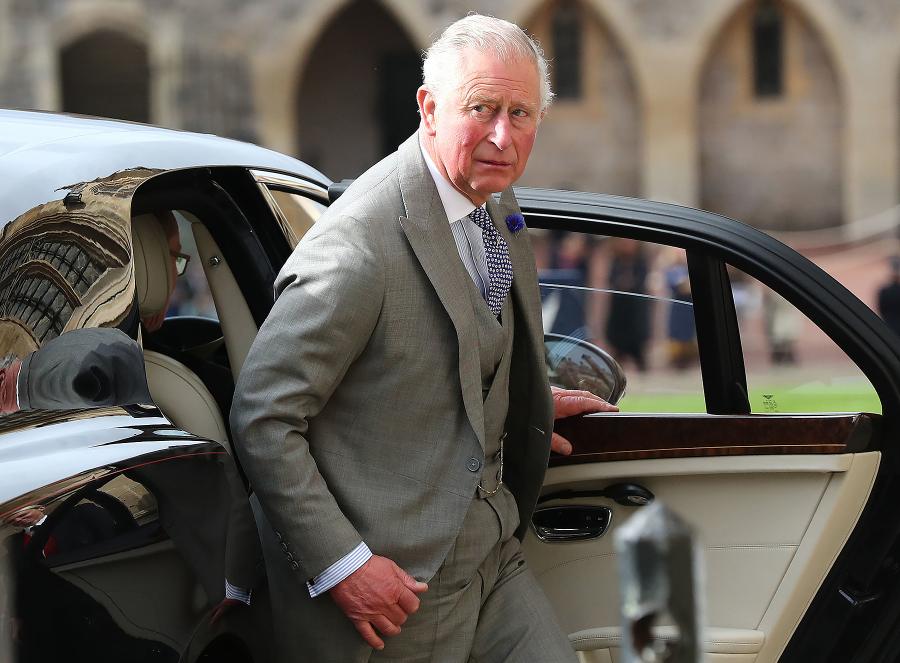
x,y
455,204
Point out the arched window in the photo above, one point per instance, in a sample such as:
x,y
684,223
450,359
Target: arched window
x,y
343,129
107,74
567,50
768,50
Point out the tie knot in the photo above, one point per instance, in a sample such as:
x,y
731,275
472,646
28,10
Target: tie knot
x,y
482,219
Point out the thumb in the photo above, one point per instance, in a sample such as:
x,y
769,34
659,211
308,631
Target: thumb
x,y
411,583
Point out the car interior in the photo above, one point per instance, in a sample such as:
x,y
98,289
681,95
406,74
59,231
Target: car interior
x,y
176,389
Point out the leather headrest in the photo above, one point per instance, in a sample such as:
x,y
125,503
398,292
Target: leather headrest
x,y
153,275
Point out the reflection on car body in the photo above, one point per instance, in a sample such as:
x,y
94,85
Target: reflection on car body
x,y
122,518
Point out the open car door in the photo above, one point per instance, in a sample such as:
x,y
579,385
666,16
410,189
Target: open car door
x,y
761,406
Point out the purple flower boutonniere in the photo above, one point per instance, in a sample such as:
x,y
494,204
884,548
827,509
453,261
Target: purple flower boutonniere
x,y
515,222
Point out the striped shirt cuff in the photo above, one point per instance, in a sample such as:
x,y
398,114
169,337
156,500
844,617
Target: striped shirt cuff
x,y
339,570
237,593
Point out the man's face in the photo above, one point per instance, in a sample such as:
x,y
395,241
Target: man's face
x,y
154,322
480,131
26,517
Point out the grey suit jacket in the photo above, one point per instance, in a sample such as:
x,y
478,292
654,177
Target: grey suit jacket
x,y
360,403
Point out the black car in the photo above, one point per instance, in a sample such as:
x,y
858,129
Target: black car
x,y
762,397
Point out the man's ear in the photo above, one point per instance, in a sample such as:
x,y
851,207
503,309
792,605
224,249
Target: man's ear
x,y
427,107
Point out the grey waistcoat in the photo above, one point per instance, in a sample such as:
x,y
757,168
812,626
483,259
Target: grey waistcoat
x,y
495,350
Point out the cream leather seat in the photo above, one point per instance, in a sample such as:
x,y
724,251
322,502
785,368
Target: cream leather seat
x,y
175,389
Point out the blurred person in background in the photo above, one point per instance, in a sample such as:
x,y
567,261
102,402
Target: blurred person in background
x,y
889,296
680,324
782,327
628,322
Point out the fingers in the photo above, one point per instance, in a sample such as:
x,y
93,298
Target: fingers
x,y
569,402
560,445
385,626
395,613
365,630
408,602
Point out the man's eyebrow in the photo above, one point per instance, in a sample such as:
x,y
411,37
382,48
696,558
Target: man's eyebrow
x,y
480,98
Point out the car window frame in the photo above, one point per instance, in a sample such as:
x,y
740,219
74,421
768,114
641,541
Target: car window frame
x,y
853,327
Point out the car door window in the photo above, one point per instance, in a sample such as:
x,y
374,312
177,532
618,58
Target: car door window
x,y
297,204
792,366
633,300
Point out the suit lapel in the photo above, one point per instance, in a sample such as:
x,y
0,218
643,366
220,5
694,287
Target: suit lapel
x,y
428,233
525,292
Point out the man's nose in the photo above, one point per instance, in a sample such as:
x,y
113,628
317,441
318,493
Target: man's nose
x,y
501,136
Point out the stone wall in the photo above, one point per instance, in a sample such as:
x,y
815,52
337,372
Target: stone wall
x,y
591,143
665,112
772,162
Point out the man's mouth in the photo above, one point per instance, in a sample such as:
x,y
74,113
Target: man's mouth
x,y
497,164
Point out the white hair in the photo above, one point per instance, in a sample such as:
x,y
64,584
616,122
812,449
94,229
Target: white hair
x,y
485,34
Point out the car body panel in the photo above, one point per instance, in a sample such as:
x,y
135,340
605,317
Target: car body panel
x,y
84,442
44,154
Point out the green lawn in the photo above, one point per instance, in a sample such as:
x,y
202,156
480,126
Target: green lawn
x,y
844,396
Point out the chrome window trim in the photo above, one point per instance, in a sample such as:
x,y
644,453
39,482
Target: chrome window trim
x,y
305,187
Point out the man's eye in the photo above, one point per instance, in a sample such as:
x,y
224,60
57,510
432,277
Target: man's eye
x,y
520,112
481,108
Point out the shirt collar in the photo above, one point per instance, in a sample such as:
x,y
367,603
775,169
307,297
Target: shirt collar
x,y
456,205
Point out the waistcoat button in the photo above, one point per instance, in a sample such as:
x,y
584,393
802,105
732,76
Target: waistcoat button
x,y
473,464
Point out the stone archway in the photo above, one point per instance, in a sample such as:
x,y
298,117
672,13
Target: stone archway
x,y
106,73
356,98
589,142
771,158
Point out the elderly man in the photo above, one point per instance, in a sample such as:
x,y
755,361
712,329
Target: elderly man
x,y
394,414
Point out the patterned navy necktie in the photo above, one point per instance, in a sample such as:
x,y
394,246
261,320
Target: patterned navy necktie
x,y
496,253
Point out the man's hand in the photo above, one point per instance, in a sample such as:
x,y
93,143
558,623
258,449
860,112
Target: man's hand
x,y
225,605
379,595
568,403
8,376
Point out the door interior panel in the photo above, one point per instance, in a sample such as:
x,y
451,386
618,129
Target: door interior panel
x,y
769,528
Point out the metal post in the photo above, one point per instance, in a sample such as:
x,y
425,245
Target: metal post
x,y
659,588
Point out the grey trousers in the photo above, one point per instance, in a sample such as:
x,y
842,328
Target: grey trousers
x,y
484,605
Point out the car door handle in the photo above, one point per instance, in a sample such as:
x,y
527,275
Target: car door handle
x,y
555,524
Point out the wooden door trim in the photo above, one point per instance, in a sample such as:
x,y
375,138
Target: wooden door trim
x,y
617,436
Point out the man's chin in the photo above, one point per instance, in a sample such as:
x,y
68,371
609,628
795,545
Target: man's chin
x,y
487,186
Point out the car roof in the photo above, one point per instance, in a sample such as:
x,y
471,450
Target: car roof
x,y
42,154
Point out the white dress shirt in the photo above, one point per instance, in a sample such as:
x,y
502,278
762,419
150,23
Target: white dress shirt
x,y
470,245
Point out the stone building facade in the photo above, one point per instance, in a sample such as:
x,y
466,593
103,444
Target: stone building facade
x,y
783,113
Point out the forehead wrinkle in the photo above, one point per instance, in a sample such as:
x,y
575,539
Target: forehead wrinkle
x,y
486,91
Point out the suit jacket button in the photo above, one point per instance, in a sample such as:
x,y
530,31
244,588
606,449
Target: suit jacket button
x,y
473,464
